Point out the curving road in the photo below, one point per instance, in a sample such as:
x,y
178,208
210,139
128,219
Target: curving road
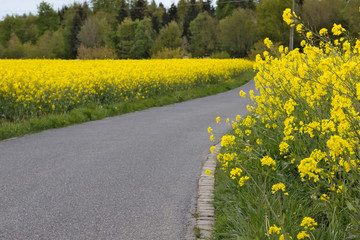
x,y
128,177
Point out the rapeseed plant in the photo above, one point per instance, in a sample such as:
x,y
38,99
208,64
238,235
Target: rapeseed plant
x,y
303,130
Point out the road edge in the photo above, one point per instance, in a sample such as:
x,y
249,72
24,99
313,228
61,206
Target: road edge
x,y
204,210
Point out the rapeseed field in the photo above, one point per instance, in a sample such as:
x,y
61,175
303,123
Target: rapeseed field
x,y
38,87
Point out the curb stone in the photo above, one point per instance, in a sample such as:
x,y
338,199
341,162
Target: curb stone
x,y
204,208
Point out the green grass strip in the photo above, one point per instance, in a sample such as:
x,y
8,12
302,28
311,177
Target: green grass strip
x,y
95,112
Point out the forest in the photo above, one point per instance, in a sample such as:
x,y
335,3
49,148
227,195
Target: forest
x,y
121,29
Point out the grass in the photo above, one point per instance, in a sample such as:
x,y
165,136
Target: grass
x,y
95,112
197,232
242,213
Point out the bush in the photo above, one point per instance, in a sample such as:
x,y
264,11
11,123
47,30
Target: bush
x,y
96,53
220,55
167,53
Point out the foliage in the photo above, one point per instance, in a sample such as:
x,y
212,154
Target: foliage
x,y
108,6
270,23
144,39
169,37
238,32
296,157
96,31
126,35
225,7
168,53
322,14
137,11
203,30
14,48
98,25
96,53
220,55
47,19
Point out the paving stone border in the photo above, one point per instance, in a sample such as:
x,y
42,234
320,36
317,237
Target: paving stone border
x,y
204,208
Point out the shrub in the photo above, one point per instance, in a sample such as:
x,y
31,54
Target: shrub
x,y
220,55
96,53
167,53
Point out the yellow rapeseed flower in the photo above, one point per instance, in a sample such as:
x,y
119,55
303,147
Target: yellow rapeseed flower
x,y
308,223
274,229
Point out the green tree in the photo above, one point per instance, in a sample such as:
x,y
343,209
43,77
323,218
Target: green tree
x,y
237,33
203,35
47,19
226,7
323,14
2,51
182,9
169,37
14,48
96,32
193,10
126,36
123,11
138,9
172,12
109,6
144,39
158,16
73,19
10,25
352,17
270,22
30,29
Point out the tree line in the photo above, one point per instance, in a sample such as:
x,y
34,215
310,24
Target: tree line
x,y
137,29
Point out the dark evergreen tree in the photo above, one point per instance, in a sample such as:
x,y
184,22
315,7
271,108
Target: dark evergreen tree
x,y
109,6
74,18
172,13
123,11
165,19
206,7
191,14
62,12
138,9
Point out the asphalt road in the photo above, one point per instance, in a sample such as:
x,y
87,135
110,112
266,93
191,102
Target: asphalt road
x,y
128,177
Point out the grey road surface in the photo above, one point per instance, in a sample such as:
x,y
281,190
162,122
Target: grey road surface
x,y
128,177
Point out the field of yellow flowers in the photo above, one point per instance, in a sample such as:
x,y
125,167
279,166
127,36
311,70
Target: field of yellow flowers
x,y
293,164
36,87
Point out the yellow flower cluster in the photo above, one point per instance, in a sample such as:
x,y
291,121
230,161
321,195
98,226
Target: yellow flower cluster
x,y
235,172
277,187
287,17
242,180
337,29
324,108
35,87
302,235
323,32
274,229
308,223
268,42
227,140
268,161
